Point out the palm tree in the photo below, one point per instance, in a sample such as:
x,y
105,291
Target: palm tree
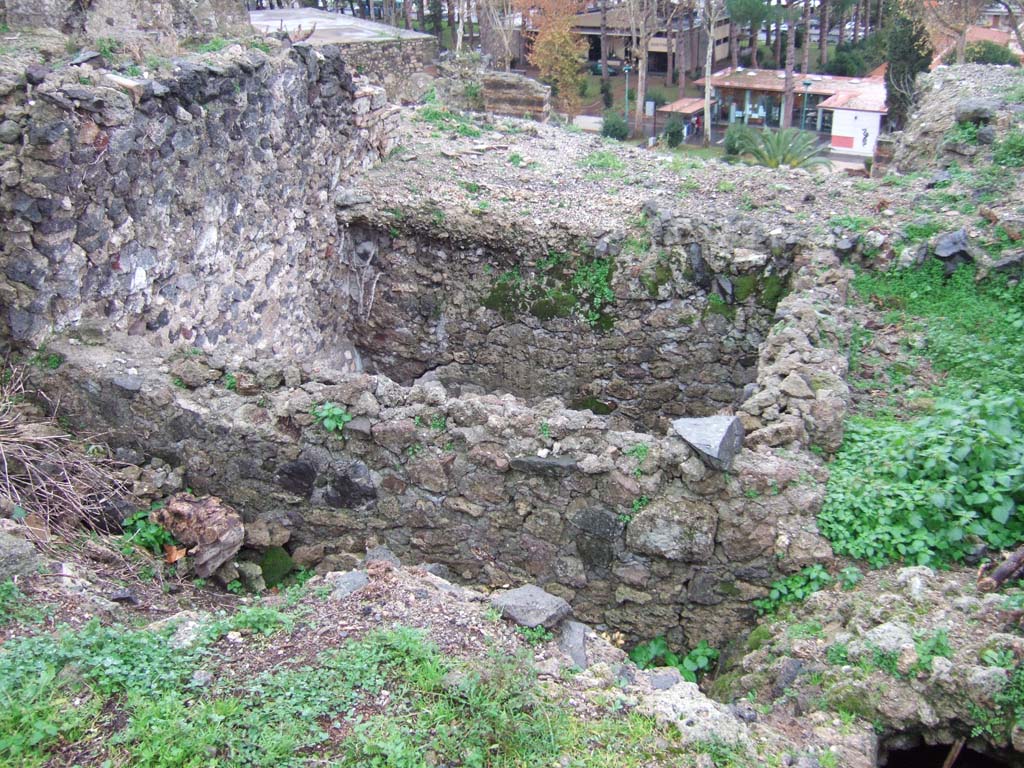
x,y
789,147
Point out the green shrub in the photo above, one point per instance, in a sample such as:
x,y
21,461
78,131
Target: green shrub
x,y
923,491
1010,150
736,137
614,126
984,52
963,133
789,147
674,131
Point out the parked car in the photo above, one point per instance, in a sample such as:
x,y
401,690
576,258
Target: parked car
x,y
595,69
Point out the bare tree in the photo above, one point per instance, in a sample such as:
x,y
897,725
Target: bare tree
x,y
789,87
460,29
498,18
806,49
950,18
604,40
713,12
643,23
823,26
1014,10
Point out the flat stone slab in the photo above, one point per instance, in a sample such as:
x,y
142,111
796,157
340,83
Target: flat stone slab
x,y
531,606
544,465
345,584
717,439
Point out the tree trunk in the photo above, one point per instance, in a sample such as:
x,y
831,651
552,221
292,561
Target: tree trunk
x,y
682,58
856,21
1011,565
670,54
460,27
806,50
451,21
435,13
841,20
708,62
407,12
1011,16
421,11
778,42
693,49
734,52
961,46
823,36
755,41
641,85
787,101
604,40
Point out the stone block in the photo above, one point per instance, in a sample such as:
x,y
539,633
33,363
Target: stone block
x,y
680,529
717,439
530,606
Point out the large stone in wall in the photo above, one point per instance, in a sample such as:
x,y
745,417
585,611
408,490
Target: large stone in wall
x,y
506,93
717,439
676,529
132,19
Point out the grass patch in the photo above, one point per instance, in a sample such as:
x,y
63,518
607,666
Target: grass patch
x,y
71,686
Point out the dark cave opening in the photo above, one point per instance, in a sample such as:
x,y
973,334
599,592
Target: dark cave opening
x,y
929,756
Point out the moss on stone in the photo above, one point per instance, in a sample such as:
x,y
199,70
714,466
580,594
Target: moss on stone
x,y
852,698
758,637
662,275
744,286
718,306
276,563
729,589
503,299
773,288
555,304
599,407
721,688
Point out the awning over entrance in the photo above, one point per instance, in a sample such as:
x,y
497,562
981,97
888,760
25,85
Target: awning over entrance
x,y
686,107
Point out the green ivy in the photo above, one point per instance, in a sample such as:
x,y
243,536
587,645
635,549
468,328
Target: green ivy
x,y
137,529
794,589
924,491
656,653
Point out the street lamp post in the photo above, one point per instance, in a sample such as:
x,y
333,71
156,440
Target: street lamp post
x,y
803,116
625,113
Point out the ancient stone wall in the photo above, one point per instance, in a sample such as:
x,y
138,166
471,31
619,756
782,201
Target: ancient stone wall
x,y
633,529
128,20
393,64
194,208
678,335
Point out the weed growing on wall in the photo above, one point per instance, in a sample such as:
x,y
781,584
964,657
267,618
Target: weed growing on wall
x,y
692,666
794,589
332,417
